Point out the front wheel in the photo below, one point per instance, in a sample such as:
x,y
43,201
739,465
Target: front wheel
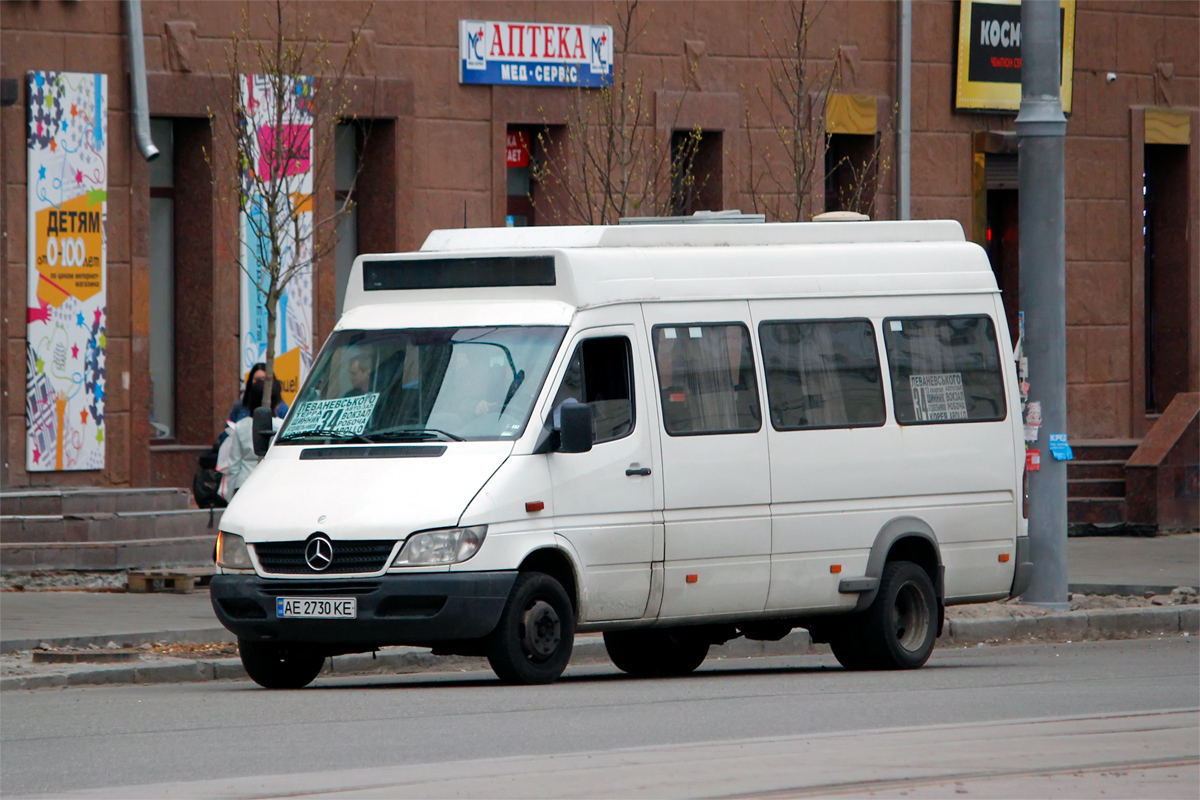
x,y
532,642
655,652
274,665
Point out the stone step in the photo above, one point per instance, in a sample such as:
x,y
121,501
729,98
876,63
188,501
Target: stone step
x,y
1094,470
48,528
1104,449
1095,510
138,539
1095,487
133,554
28,502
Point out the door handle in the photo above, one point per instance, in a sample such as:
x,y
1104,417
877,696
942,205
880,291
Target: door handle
x,y
632,472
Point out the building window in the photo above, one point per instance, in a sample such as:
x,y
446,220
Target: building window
x,y
162,281
851,172
696,179
1165,187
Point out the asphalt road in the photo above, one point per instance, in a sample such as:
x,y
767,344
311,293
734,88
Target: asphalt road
x,y
985,721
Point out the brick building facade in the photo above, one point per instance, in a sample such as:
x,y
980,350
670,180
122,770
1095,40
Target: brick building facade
x,y
435,158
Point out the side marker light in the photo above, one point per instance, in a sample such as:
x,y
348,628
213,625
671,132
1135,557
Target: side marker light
x,y
835,568
693,578
1004,558
536,505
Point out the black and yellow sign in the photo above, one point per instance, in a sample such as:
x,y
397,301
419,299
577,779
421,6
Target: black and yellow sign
x,y
989,54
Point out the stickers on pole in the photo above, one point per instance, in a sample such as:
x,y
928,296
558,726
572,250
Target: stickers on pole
x,y
66,145
1033,460
1059,447
1033,420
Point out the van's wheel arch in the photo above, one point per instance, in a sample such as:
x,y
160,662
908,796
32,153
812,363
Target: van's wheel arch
x,y
532,642
280,665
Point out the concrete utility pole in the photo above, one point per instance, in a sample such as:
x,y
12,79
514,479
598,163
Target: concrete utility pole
x,y
904,132
1041,127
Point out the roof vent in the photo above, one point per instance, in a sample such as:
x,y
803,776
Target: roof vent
x,y
700,217
841,216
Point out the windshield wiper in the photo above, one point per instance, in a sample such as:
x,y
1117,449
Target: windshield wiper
x,y
414,434
323,433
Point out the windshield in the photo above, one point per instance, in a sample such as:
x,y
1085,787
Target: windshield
x,y
448,384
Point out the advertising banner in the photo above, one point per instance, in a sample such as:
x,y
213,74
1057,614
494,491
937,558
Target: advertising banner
x,y
989,54
294,179
67,151
534,53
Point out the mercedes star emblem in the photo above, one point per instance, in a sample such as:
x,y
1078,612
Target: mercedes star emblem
x,y
318,553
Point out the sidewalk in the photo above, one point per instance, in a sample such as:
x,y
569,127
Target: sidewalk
x,y
1098,565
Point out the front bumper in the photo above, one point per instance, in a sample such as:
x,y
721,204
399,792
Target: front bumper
x,y
392,609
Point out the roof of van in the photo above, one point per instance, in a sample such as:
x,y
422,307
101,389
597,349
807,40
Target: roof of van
x,y
696,235
605,265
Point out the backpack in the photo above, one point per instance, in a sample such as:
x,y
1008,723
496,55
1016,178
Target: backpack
x,y
206,483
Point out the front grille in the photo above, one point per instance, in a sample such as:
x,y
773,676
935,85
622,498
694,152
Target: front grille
x,y
291,588
287,558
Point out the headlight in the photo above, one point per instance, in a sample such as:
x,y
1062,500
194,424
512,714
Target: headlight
x,y
232,552
446,546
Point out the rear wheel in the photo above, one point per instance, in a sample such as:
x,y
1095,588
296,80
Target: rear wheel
x,y
275,665
532,642
899,628
848,648
653,653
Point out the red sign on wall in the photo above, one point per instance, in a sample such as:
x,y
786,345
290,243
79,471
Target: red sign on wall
x,y
516,151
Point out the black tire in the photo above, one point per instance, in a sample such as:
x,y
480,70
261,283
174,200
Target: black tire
x,y
655,653
274,665
847,645
532,641
899,628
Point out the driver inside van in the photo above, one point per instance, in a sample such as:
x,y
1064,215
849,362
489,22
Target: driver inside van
x,y
358,370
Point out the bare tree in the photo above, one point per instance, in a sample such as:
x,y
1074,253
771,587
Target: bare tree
x,y
612,161
784,174
286,95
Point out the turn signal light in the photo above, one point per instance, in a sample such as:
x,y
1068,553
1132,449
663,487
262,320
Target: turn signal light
x,y
693,578
1004,558
835,568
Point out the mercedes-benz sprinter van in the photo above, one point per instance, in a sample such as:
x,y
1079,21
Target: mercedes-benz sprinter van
x,y
672,434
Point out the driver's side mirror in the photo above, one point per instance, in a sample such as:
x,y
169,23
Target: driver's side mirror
x,y
262,430
576,430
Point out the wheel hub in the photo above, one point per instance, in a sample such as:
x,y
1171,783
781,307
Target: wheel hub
x,y
542,629
910,617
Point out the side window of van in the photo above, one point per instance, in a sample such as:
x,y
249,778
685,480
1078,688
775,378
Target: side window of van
x,y
600,373
706,375
822,374
944,369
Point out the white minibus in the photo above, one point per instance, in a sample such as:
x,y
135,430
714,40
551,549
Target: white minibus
x,y
673,434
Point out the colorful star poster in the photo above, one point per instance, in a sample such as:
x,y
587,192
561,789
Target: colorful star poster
x,y
280,165
67,144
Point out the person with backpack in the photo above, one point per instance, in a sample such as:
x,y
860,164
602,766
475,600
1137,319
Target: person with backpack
x,y
236,458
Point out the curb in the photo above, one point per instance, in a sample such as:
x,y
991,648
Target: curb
x,y
196,636
1070,626
1127,589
